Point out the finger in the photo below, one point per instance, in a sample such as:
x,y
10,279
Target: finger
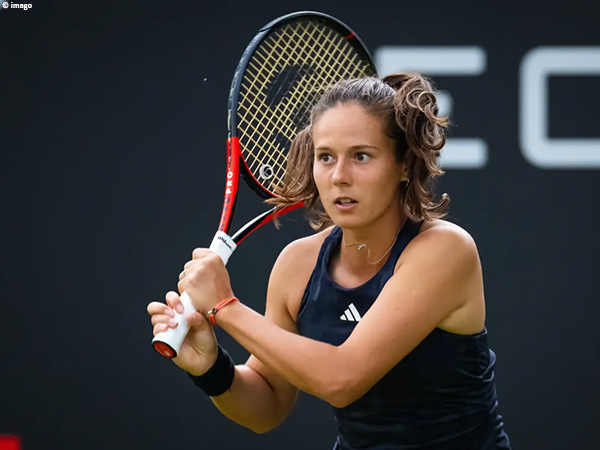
x,y
159,308
182,275
197,320
199,253
159,328
161,318
193,263
174,301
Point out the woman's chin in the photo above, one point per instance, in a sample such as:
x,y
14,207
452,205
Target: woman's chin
x,y
347,222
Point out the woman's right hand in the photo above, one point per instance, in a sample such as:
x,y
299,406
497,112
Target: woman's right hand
x,y
198,351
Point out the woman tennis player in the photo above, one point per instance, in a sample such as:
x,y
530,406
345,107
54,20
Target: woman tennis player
x,y
381,312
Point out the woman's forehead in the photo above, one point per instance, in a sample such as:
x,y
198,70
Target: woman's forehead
x,y
348,122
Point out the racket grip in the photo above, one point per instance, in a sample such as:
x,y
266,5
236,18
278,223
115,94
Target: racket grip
x,y
223,246
168,343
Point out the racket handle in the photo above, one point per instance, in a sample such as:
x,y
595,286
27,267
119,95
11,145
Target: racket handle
x,y
168,343
223,246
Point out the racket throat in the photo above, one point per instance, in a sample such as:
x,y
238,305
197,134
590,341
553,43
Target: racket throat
x,y
231,183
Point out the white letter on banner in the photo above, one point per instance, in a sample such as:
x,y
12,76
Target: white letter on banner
x,y
537,147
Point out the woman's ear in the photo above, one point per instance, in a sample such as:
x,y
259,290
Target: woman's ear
x,y
405,177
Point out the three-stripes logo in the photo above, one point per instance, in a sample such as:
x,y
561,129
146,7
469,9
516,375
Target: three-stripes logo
x,y
351,314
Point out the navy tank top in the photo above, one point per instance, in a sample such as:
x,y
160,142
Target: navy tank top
x,y
441,396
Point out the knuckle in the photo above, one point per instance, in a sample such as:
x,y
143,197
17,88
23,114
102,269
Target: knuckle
x,y
214,258
194,278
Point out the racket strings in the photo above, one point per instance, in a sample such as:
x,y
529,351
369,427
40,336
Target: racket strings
x,y
287,127
284,126
311,57
298,95
278,64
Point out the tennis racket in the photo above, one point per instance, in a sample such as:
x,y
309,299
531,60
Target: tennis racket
x,y
282,73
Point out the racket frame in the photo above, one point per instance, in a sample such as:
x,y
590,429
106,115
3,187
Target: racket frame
x,y
236,164
169,342
236,82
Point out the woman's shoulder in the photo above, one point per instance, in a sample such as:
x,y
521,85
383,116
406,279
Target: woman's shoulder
x,y
439,230
303,251
447,252
441,238
293,268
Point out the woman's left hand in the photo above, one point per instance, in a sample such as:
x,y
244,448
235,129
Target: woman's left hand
x,y
205,280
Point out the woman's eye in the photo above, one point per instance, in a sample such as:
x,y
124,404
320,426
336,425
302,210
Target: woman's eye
x,y
363,157
324,157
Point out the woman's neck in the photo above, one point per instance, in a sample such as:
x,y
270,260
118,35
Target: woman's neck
x,y
366,249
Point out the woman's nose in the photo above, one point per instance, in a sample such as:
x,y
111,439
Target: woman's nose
x,y
341,172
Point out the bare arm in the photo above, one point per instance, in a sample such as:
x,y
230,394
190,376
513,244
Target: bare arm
x,y
429,285
260,399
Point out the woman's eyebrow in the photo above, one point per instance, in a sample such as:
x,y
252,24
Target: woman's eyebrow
x,y
354,147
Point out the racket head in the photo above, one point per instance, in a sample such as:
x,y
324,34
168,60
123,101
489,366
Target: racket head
x,y
284,70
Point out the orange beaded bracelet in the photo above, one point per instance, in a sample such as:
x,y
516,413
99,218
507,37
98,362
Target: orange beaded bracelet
x,y
222,304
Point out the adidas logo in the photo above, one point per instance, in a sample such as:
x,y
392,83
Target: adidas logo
x,y
351,314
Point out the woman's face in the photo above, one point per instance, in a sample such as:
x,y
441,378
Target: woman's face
x,y
355,168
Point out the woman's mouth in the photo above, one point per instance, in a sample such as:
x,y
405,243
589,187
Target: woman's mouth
x,y
345,203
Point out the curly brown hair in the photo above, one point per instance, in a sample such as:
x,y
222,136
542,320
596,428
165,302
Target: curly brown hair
x,y
407,104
